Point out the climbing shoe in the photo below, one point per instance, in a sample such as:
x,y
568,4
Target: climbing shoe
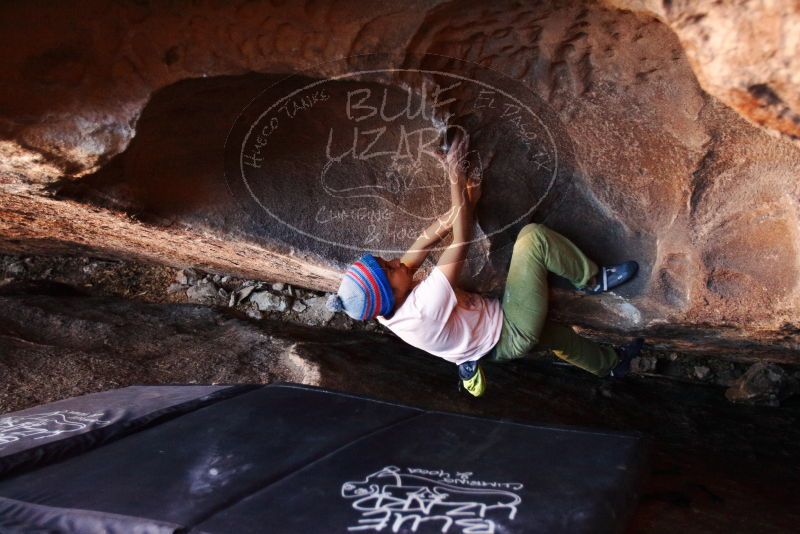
x,y
472,378
626,353
610,277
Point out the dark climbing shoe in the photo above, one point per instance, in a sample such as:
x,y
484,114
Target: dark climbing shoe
x,y
610,277
626,353
472,378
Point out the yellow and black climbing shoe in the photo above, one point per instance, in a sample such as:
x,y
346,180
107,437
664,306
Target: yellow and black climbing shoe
x,y
472,378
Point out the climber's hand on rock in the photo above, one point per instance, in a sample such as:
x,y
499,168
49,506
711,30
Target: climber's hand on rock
x,y
465,191
457,155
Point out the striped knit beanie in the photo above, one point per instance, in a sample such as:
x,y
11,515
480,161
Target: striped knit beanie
x,y
364,292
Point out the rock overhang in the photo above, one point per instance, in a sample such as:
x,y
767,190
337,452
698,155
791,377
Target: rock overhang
x,y
658,169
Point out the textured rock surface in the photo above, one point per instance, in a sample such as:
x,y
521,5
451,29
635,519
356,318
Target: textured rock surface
x,y
77,84
158,284
763,383
745,53
33,223
653,167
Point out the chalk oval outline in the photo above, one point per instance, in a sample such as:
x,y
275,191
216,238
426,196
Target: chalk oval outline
x,y
394,70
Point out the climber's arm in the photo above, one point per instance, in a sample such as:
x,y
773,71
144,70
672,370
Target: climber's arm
x,y
464,196
452,259
460,188
429,237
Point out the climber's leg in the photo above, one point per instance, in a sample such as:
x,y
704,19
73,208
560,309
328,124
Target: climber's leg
x,y
538,250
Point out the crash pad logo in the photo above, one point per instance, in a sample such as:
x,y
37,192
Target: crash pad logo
x,y
425,500
349,153
46,425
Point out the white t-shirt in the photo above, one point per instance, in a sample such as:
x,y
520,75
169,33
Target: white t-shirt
x,y
455,325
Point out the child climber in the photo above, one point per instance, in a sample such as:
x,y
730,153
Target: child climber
x,y
435,315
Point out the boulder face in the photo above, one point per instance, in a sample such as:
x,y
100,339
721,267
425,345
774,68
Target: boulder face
x,y
234,138
340,165
743,53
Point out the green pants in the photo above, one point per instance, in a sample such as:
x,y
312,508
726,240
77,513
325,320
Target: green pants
x,y
538,250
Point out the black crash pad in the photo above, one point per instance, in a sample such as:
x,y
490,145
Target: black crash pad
x,y
46,433
285,458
